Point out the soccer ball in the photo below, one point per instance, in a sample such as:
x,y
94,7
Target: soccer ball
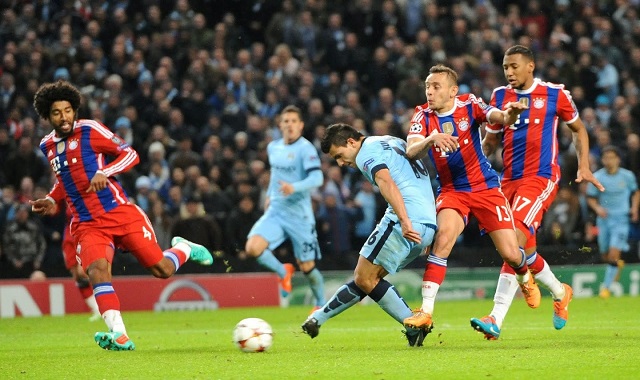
x,y
253,335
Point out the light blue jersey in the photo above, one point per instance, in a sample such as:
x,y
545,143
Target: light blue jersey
x,y
618,190
411,177
293,163
386,246
613,231
292,216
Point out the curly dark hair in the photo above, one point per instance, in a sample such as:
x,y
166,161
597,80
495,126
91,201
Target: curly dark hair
x,y
49,93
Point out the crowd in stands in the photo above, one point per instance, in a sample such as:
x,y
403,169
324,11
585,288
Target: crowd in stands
x,y
196,87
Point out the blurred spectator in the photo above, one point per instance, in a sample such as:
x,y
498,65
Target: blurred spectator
x,y
237,226
560,223
162,222
365,199
24,162
23,244
195,225
335,223
143,188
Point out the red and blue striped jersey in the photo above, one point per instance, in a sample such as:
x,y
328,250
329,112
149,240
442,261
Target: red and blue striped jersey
x,y
76,159
530,146
467,169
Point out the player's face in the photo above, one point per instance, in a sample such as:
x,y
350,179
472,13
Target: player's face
x,y
61,117
345,155
440,91
518,70
610,161
291,126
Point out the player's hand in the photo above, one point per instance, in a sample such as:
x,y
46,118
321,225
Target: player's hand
x,y
587,175
409,233
601,212
43,206
445,142
515,108
286,188
98,182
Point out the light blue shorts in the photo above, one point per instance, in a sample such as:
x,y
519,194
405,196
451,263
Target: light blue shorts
x,y
388,248
276,228
613,232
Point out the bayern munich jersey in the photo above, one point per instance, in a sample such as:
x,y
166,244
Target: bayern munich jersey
x,y
76,159
292,163
411,177
467,169
531,144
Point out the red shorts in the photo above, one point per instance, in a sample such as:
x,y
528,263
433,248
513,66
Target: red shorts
x,y
490,207
529,199
69,249
125,226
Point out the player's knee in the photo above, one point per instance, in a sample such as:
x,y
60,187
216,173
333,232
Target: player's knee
x,y
254,247
444,241
307,266
365,281
163,269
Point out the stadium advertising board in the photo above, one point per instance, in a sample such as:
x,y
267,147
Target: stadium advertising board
x,y
479,283
60,296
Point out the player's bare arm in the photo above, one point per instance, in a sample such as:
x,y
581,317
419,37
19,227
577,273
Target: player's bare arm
x,y
581,143
418,148
391,194
490,143
509,115
596,207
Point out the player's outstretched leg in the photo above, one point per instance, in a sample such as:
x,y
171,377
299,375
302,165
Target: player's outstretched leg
x,y
415,337
486,325
199,253
346,296
114,341
561,308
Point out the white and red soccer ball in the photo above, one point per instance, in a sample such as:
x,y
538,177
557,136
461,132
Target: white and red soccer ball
x,y
253,335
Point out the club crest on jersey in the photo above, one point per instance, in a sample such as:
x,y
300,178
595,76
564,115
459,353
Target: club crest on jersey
x,y
463,124
538,103
524,101
60,147
73,144
447,128
291,156
415,128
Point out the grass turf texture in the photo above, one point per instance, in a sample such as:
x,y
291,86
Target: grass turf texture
x,y
599,341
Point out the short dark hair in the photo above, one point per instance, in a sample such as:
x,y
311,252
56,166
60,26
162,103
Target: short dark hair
x,y
520,49
49,93
292,108
338,134
451,73
610,148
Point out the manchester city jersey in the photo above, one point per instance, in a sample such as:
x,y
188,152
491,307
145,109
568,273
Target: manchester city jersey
x,y
411,177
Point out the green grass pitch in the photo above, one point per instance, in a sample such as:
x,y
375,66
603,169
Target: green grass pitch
x,y
600,341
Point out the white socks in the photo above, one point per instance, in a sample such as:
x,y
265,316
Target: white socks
x,y
114,321
505,291
429,292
